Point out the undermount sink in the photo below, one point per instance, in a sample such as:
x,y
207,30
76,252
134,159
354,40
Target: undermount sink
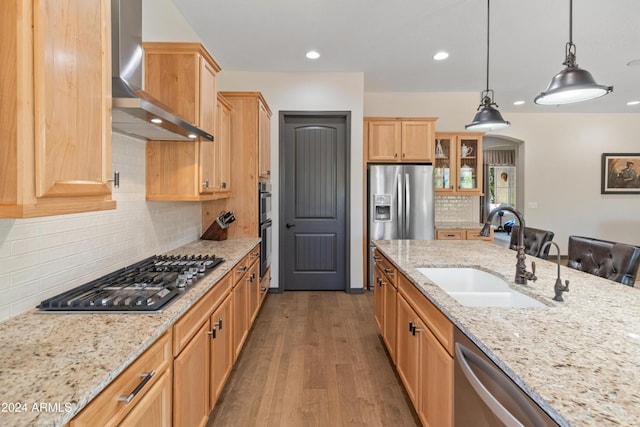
x,y
476,288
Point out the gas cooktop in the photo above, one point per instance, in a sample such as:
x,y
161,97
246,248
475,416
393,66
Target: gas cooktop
x,y
147,286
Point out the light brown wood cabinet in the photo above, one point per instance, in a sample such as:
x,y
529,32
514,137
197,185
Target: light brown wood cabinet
x,y
221,348
200,370
140,396
246,297
462,234
384,296
425,355
457,166
399,139
55,126
191,381
250,124
265,284
264,143
183,77
222,153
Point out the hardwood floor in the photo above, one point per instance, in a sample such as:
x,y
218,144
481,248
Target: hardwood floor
x,y
314,359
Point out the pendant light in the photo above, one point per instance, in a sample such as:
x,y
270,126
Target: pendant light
x,y
488,117
573,84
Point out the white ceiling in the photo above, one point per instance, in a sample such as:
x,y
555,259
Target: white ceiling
x,y
393,41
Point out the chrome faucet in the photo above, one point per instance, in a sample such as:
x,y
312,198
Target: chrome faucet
x,y
558,288
522,275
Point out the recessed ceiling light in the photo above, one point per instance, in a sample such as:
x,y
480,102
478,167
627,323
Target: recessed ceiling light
x,y
156,120
633,102
518,102
441,56
312,54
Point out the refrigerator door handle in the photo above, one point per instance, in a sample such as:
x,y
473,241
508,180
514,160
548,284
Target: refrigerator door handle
x,y
407,210
400,220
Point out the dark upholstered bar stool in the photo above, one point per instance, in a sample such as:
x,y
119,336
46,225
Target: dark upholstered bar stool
x,y
614,261
534,238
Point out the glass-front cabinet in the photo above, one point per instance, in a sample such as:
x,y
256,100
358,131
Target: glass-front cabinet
x,y
457,166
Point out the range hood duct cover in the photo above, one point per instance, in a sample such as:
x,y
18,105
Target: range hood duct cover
x,y
133,108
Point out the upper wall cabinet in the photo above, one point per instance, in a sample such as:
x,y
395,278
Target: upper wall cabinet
x,y
55,126
399,139
183,77
458,163
222,174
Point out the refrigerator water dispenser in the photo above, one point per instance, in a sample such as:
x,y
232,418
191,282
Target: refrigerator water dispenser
x,y
382,204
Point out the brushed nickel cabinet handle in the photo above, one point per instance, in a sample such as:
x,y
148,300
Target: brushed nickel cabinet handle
x,y
146,377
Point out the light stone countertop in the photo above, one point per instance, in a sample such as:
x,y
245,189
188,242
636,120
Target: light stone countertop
x,y
64,360
579,359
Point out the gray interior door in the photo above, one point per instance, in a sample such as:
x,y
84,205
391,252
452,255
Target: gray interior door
x,y
313,201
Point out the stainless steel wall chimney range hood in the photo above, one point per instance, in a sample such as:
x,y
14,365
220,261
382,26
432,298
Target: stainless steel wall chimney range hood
x,y
135,112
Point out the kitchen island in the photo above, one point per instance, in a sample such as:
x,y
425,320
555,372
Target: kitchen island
x,y
578,359
52,365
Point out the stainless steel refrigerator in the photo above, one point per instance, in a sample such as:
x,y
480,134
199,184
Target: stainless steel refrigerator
x,y
400,204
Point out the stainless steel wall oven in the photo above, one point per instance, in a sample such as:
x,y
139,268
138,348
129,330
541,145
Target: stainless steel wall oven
x,y
264,203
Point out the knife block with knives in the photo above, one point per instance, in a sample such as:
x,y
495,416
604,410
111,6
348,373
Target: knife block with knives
x,y
218,229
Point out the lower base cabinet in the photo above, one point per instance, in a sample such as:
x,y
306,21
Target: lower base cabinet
x,y
155,409
139,396
220,349
177,381
190,381
424,359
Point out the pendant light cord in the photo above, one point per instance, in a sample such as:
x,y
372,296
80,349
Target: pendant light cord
x,y
570,21
488,17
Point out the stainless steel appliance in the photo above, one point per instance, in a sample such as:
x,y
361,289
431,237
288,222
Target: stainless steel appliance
x,y
400,204
484,396
147,286
135,112
264,204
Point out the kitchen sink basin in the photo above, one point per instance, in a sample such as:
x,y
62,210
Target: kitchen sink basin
x,y
476,288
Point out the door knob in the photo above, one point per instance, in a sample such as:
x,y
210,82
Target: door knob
x,y
290,225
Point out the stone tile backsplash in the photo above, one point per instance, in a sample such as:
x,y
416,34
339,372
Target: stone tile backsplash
x,y
456,209
41,257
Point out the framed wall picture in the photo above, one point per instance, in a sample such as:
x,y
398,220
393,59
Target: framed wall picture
x,y
620,173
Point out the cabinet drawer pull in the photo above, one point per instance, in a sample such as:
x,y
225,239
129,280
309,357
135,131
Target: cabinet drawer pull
x,y
212,332
242,269
255,254
388,271
376,258
146,376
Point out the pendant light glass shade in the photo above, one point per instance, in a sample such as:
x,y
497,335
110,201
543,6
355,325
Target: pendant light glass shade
x,y
488,117
573,84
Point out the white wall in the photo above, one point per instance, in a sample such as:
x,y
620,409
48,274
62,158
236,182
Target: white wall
x,y
42,257
562,161
310,92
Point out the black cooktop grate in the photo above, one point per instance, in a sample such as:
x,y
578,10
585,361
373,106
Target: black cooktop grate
x,y
147,286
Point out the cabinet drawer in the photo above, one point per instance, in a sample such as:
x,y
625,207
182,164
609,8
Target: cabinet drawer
x,y
134,383
437,322
245,264
451,235
241,268
475,235
386,267
187,326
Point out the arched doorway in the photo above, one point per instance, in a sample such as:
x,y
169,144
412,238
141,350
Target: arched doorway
x,y
507,151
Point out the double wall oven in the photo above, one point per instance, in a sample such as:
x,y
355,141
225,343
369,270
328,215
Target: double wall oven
x,y
264,202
